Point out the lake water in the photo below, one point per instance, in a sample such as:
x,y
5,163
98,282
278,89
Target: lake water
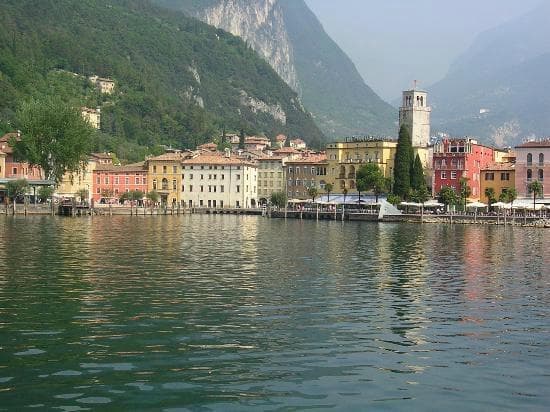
x,y
231,313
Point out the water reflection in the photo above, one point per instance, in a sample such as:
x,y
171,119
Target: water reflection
x,y
228,312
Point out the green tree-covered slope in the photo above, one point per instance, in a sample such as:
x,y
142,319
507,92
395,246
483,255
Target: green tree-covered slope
x,y
178,80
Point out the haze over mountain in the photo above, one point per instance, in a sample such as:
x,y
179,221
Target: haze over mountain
x,y
498,89
290,37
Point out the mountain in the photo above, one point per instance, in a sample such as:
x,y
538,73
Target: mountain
x,y
178,81
497,90
291,38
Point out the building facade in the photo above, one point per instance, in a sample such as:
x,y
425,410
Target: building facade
x,y
216,180
415,114
303,174
532,164
345,158
110,182
75,184
498,176
271,176
165,177
92,116
454,159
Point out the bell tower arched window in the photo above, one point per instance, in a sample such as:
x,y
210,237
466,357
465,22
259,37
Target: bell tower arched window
x,y
529,174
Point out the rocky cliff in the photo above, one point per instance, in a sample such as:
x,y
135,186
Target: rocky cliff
x,y
289,36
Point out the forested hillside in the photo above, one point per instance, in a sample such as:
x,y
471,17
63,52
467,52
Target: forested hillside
x,y
178,81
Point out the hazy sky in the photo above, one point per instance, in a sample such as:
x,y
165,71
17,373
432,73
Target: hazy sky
x,y
393,42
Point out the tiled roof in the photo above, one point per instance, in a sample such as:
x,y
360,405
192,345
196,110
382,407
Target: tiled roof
x,y
214,159
134,167
101,155
319,158
170,157
500,166
535,143
286,150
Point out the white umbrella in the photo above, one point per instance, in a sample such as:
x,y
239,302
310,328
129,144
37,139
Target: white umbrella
x,y
476,205
500,205
433,203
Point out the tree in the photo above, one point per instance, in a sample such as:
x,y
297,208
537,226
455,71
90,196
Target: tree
x,y
241,140
536,189
17,188
83,194
54,137
394,199
402,168
45,193
417,177
510,195
345,193
278,199
362,186
328,188
153,196
420,195
465,190
312,192
447,195
372,179
490,195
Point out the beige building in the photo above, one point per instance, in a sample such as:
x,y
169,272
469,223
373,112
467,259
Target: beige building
x,y
92,116
75,184
271,176
345,158
165,176
105,86
217,180
2,164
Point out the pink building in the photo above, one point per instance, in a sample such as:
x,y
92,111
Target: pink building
x,y
111,182
532,163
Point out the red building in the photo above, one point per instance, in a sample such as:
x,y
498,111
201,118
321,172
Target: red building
x,y
457,158
111,181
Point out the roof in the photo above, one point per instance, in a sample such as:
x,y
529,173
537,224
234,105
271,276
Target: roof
x,y
214,159
169,157
101,155
286,150
500,166
280,138
208,146
134,167
269,158
311,159
535,143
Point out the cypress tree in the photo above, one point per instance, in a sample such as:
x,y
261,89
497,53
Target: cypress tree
x,y
402,168
417,176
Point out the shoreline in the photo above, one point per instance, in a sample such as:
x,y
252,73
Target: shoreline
x,y
449,219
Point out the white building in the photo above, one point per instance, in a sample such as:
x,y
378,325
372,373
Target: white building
x,y
92,116
216,180
415,115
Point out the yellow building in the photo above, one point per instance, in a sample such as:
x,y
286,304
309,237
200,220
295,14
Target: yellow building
x,y
2,164
165,176
499,176
74,184
345,158
92,116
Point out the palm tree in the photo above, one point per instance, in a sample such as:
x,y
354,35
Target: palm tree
x,y
312,192
328,189
362,186
535,188
345,192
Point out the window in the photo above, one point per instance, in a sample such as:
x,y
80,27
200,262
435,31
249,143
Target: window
x,y
444,175
505,176
144,181
98,190
106,180
155,184
529,174
290,170
154,169
126,180
238,189
529,158
191,176
210,189
190,188
137,180
183,188
238,204
202,177
202,189
453,175
222,177
98,180
541,175
164,169
116,180
541,159
238,177
174,184
174,169
164,184
222,189
489,176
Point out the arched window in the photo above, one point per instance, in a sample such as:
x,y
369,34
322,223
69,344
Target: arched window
x,y
529,174
154,184
541,175
342,172
541,159
164,184
529,158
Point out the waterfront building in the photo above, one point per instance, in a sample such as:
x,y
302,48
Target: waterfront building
x,y
271,176
414,114
454,159
165,176
79,183
219,180
345,158
532,164
307,172
110,181
92,116
498,176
